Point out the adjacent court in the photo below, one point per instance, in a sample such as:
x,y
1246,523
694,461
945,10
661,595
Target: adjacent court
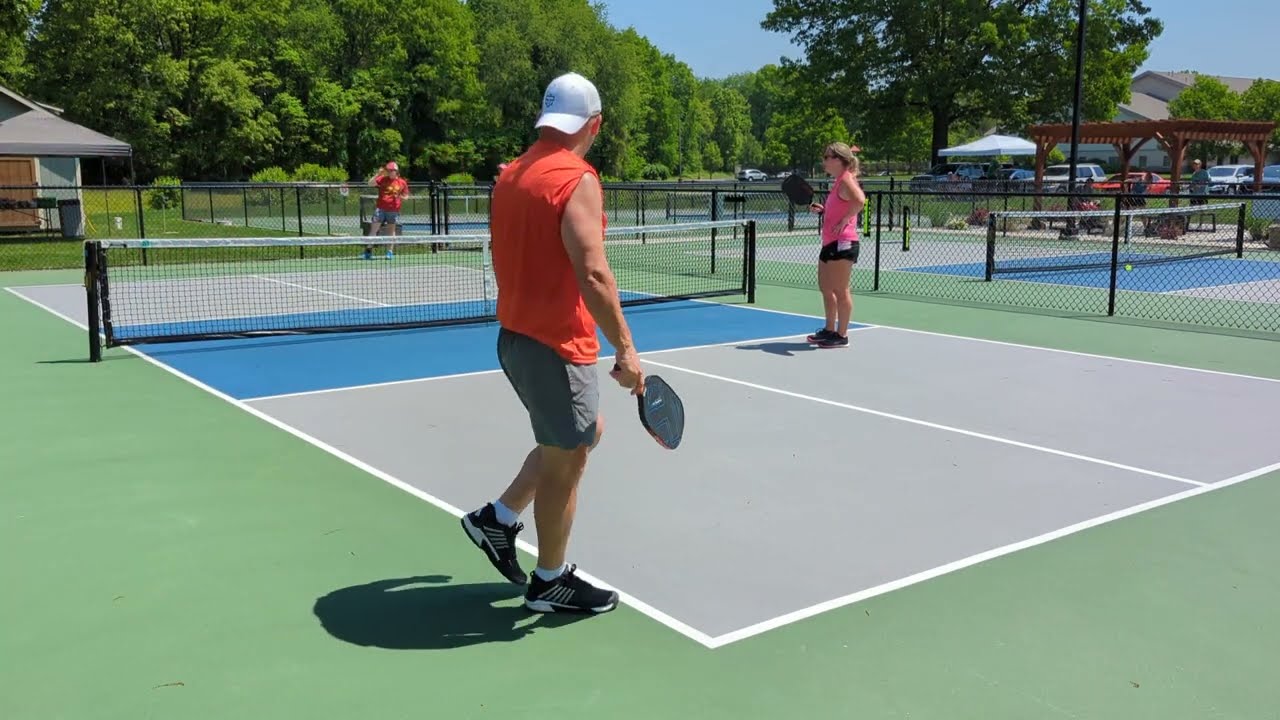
x,y
857,471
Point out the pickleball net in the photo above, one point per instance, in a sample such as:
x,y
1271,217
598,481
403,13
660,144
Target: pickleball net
x,y
180,289
1030,242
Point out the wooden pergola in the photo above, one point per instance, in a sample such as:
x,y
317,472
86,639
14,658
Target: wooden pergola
x,y
1128,137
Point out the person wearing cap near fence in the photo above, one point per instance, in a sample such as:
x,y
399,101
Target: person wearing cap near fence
x,y
555,286
840,243
392,190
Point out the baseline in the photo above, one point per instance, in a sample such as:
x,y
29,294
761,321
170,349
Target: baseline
x,y
852,598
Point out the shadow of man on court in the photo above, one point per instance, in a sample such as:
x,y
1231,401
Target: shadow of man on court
x,y
428,613
787,349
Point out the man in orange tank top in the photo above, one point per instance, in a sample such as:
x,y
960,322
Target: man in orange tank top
x,y
554,285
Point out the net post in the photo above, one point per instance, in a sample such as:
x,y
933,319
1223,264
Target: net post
x,y
91,296
750,260
906,228
991,248
875,281
1115,260
1240,223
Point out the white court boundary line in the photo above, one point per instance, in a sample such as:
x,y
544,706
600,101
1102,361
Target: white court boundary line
x,y
454,376
933,425
661,617
836,603
630,600
319,290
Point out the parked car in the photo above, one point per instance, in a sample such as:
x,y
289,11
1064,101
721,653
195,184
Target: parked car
x,y
1119,183
1056,177
752,175
1230,179
939,174
1270,179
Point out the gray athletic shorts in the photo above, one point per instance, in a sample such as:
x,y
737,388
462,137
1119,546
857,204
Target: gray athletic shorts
x,y
563,399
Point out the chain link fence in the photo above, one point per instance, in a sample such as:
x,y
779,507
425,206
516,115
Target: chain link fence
x,y
1205,260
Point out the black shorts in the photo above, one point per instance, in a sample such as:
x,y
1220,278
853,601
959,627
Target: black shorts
x,y
829,253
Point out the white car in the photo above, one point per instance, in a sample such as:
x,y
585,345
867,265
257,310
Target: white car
x,y
1084,171
1229,179
752,175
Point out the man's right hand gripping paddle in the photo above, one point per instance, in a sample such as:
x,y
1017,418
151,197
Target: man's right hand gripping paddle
x,y
660,408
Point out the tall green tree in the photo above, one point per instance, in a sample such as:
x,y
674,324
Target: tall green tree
x,y
1208,99
15,23
1262,102
961,60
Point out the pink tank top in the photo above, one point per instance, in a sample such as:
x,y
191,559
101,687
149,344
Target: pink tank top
x,y
832,213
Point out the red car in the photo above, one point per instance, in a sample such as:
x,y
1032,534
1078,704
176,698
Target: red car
x,y
1157,186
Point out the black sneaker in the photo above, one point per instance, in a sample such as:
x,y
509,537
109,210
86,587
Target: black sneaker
x,y
819,335
568,593
834,341
498,541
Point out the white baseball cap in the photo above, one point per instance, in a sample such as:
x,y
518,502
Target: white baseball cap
x,y
569,102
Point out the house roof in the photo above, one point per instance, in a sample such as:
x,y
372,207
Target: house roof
x,y
1151,107
1146,106
28,104
39,133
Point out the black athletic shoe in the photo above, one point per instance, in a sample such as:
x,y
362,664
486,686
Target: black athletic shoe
x,y
498,541
568,593
834,341
819,335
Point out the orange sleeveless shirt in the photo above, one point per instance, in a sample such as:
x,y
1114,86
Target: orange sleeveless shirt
x,y
538,292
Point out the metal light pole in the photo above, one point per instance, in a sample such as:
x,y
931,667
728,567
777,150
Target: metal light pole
x,y
1079,92
1075,111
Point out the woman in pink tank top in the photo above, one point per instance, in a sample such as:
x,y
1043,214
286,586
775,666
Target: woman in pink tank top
x,y
840,245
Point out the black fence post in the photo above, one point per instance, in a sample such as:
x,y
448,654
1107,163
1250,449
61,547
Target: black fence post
x,y
297,196
447,211
1240,223
875,282
1115,258
991,247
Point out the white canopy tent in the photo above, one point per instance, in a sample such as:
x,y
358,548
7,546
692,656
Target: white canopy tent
x,y
993,145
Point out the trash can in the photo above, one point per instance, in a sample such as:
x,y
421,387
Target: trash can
x,y
71,219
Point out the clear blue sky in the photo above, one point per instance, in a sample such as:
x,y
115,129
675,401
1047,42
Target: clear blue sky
x,y
721,37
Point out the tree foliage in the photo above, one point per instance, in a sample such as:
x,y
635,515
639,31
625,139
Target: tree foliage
x,y
960,61
231,89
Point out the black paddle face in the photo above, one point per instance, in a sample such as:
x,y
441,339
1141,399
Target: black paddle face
x,y
662,412
797,190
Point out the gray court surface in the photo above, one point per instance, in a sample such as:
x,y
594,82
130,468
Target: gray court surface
x,y
778,501
1262,291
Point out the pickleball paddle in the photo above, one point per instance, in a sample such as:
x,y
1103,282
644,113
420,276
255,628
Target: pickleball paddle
x,y
661,411
797,190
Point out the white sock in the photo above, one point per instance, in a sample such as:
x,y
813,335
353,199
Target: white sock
x,y
550,574
506,515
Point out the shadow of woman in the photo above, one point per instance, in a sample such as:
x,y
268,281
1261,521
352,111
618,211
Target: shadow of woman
x,y
779,348
428,613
